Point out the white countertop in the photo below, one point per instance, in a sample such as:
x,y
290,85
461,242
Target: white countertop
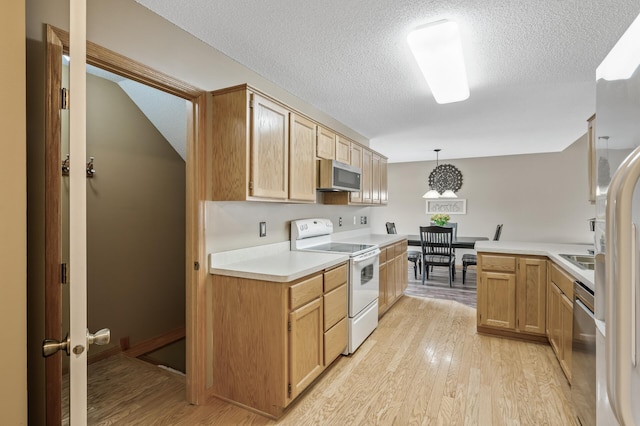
x,y
551,250
379,239
284,266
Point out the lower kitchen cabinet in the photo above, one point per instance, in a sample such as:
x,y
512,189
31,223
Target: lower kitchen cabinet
x,y
560,316
271,340
393,275
512,295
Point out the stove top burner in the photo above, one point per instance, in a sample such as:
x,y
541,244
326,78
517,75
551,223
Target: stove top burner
x,y
342,247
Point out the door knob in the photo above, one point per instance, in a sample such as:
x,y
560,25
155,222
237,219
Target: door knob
x,y
52,346
100,337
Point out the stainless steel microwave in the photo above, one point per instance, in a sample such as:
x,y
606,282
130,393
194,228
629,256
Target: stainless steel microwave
x,y
337,176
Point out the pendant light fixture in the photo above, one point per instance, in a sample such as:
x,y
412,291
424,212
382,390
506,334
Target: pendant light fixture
x,y
444,181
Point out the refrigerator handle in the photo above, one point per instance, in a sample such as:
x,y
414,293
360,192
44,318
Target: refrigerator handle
x,y
620,270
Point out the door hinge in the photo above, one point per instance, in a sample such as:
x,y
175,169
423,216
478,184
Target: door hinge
x,y
196,266
289,389
250,184
63,273
289,326
64,98
251,103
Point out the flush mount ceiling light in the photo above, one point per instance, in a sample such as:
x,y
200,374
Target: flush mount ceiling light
x,y
438,50
445,179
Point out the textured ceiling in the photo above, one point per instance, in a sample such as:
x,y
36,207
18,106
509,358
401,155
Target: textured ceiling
x,y
531,65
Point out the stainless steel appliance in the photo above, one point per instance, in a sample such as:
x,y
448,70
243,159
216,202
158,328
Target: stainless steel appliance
x,y
337,176
583,370
616,238
364,269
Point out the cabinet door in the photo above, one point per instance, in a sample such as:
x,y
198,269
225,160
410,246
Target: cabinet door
x,y
305,346
384,195
375,179
356,160
382,290
302,159
367,159
269,149
391,276
497,300
400,269
566,314
405,275
343,150
326,145
554,328
532,295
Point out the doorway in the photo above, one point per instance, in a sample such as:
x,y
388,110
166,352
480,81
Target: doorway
x,y
130,209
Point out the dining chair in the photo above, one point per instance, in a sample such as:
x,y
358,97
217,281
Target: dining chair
x,y
436,243
412,256
472,259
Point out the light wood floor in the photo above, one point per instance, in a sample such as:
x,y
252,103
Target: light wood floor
x,y
424,364
437,286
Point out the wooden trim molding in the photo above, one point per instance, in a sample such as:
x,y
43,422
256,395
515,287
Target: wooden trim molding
x,y
155,343
195,279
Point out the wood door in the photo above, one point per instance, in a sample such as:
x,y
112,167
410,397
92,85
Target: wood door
x,y
302,159
356,160
269,149
306,350
343,150
326,144
367,161
497,300
57,43
391,275
566,316
532,295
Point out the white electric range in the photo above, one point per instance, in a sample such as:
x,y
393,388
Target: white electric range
x,y
363,276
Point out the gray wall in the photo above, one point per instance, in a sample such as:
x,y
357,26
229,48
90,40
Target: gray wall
x,y
135,221
538,197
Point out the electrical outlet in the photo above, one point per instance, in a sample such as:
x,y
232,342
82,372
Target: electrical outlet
x,y
361,220
263,229
340,221
365,220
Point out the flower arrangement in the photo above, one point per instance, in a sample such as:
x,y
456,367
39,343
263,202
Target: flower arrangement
x,y
440,219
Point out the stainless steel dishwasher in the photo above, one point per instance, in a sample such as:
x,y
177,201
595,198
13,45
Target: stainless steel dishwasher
x,y
583,384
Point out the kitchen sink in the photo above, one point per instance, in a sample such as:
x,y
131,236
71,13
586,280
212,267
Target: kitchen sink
x,y
582,261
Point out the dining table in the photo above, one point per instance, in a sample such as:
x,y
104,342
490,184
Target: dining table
x,y
460,242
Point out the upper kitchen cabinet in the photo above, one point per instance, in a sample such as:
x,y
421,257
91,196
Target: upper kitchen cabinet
x,y
373,179
302,164
254,151
326,144
343,150
591,157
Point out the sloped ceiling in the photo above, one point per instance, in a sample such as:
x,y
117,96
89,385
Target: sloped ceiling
x,y
531,65
166,112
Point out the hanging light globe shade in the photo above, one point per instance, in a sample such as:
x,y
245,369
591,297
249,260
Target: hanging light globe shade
x,y
449,194
432,193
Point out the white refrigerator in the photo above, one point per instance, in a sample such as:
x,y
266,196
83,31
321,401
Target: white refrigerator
x,y
617,242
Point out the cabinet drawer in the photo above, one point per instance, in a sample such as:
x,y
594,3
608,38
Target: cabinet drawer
x,y
305,291
400,248
383,255
492,262
335,340
562,280
391,252
335,306
335,278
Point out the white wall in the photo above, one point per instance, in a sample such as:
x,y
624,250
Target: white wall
x,y
538,197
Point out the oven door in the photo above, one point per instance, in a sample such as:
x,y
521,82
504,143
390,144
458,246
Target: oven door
x,y
364,283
